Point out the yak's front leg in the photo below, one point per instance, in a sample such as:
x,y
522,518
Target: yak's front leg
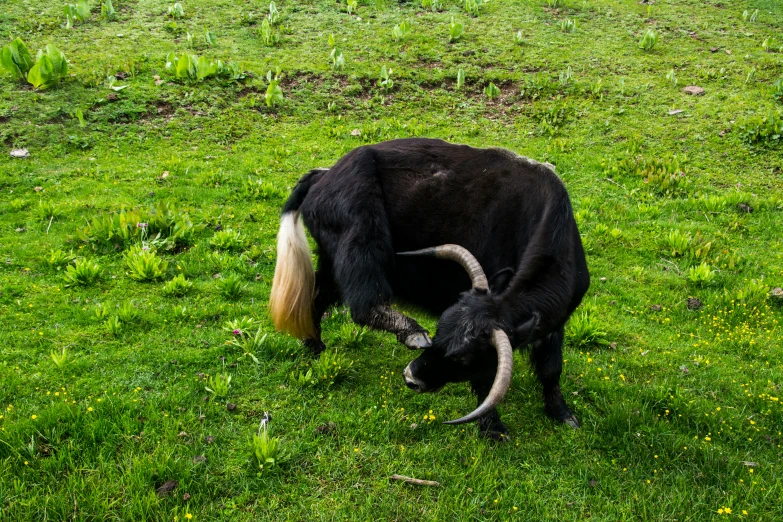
x,y
408,331
489,424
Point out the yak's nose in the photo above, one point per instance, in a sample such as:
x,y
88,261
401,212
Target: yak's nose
x,y
412,382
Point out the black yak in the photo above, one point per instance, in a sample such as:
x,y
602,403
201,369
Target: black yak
x,y
424,220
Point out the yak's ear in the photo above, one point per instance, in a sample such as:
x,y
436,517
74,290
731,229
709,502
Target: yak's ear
x,y
523,334
499,281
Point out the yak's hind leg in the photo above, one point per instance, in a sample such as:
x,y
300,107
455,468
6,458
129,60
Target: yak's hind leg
x,y
547,359
363,255
326,295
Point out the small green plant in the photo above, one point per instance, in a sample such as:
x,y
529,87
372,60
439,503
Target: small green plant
x,y
176,11
16,59
250,343
128,313
83,272
456,30
677,243
113,326
766,45
209,38
49,68
747,16
227,239
584,330
219,385
750,76
331,367
518,38
351,335
58,259
568,25
648,40
274,93
401,31
753,291
767,130
302,379
239,327
777,93
274,14
107,10
432,5
337,59
351,5
144,264
268,450
472,7
672,78
714,203
492,91
269,35
553,3
702,274
385,80
460,79
564,78
47,210
193,68
59,359
178,286
231,286
80,11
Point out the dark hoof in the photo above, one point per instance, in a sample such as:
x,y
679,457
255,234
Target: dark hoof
x,y
418,341
498,433
315,347
491,427
572,421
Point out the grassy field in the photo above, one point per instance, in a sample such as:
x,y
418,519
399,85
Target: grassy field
x,y
673,362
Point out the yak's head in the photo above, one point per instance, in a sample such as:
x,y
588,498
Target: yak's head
x,y
470,342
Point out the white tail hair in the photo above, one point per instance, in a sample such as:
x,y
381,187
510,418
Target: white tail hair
x,y
293,288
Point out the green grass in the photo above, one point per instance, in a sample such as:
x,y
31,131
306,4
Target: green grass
x,y
102,387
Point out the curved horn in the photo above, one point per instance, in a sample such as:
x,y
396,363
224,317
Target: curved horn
x,y
502,379
461,256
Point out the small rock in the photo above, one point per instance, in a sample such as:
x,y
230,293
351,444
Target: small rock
x,y
20,153
328,428
656,308
111,96
20,229
186,497
694,90
165,174
728,51
613,346
356,132
209,439
694,304
414,426
182,434
38,189
199,459
166,488
744,207
217,276
603,280
201,375
776,292
713,49
593,483
230,406
675,111
121,75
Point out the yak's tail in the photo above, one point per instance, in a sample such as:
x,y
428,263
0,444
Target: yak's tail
x,y
293,288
